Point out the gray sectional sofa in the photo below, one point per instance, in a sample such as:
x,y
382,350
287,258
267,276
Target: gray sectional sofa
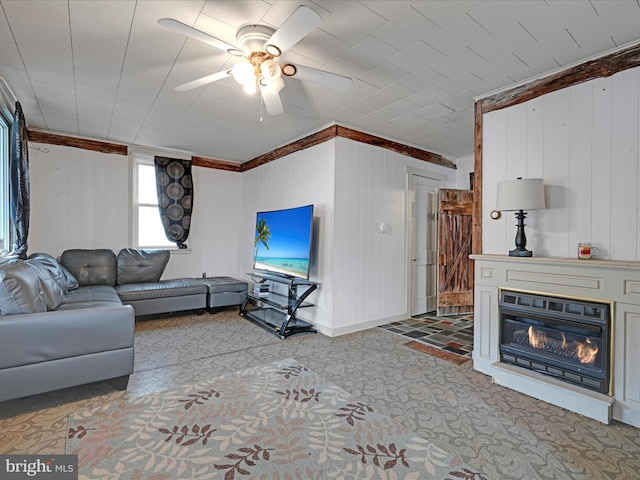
x,y
70,322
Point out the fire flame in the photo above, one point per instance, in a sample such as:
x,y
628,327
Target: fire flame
x,y
585,351
537,339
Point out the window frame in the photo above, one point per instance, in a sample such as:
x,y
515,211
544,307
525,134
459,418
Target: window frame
x,y
6,230
145,159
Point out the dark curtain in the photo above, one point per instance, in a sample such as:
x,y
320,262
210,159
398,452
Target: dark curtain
x,y
175,197
19,183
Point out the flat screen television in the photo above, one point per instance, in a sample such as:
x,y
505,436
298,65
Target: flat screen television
x,y
283,241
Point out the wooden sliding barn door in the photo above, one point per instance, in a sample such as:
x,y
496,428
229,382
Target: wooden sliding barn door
x,y
455,269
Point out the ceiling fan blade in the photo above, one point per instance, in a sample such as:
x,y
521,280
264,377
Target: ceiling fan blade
x,y
200,35
203,81
295,28
320,77
272,101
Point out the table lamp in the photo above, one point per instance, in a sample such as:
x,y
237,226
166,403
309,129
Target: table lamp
x,y
520,195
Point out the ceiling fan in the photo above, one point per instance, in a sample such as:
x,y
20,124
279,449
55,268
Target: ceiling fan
x,y
259,47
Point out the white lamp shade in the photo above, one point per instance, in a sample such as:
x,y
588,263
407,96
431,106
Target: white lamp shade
x,y
270,70
243,73
250,87
521,194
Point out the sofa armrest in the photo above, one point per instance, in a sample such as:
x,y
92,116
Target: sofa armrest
x,y
39,337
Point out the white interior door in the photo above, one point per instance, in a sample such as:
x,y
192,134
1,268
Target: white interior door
x,y
424,245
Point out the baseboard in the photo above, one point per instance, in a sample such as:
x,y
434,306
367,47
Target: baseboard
x,y
358,327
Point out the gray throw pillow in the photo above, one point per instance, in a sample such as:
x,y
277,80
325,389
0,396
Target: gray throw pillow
x,y
137,266
20,290
62,275
51,289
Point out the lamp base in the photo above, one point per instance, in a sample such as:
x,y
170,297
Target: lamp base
x,y
520,253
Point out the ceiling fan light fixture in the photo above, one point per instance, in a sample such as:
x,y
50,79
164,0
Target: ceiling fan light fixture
x,y
289,70
270,69
236,52
243,73
257,46
250,87
272,50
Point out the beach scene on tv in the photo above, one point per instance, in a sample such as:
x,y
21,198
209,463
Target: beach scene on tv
x,y
283,240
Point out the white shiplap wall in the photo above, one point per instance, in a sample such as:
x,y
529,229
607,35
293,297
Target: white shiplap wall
x,y
79,199
82,199
354,188
583,141
301,178
215,230
370,273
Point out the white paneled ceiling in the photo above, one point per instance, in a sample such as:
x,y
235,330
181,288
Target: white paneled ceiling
x,y
105,69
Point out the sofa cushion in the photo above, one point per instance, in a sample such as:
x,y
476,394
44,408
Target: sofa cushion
x,y
178,287
91,296
20,290
62,275
137,266
58,335
51,289
91,267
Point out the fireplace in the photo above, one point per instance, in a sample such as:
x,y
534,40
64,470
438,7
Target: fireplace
x,y
565,338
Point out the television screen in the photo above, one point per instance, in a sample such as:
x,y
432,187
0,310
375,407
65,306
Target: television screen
x,y
283,241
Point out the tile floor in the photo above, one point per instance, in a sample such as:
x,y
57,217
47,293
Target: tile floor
x,y
450,333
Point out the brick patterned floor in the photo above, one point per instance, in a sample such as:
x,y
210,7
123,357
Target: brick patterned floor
x,y
451,333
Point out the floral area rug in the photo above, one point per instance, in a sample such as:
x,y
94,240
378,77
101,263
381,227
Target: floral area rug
x,y
275,421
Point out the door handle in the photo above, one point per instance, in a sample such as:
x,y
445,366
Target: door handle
x,y
415,259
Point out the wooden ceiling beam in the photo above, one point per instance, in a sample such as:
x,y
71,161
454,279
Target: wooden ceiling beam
x,y
316,138
306,142
597,68
217,164
36,136
344,132
414,152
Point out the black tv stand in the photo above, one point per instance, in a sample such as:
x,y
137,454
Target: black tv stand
x,y
275,311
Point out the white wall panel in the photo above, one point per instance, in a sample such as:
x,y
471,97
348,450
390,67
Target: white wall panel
x,y
354,188
82,199
516,142
534,168
79,199
554,229
535,138
583,141
624,165
215,230
580,166
302,178
465,167
494,144
370,276
601,186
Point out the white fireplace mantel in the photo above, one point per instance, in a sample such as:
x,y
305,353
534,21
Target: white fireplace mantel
x,y
617,282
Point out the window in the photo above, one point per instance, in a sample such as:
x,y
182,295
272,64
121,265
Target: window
x,y
148,230
5,220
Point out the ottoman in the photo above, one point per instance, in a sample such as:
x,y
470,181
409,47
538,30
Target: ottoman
x,y
224,291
